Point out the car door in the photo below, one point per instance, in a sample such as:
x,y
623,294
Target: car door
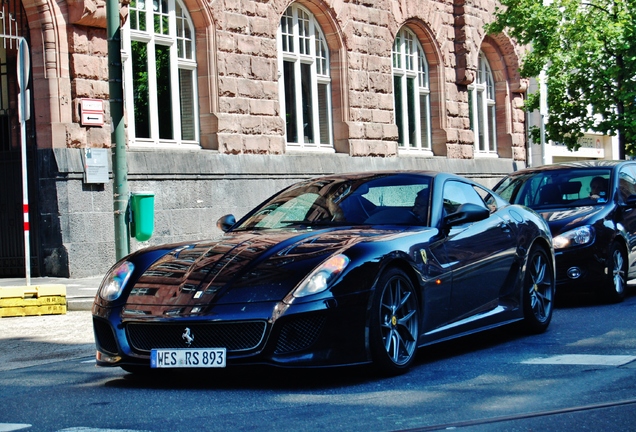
x,y
627,215
480,254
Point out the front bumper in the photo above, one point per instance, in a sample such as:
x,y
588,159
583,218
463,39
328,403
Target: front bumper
x,y
580,269
313,334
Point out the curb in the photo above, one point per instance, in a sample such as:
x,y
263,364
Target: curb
x,y
79,303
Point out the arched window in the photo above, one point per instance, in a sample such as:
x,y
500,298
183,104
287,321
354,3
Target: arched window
x,y
482,109
305,84
160,66
411,92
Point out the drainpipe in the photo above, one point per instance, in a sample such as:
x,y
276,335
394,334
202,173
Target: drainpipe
x,y
543,111
118,143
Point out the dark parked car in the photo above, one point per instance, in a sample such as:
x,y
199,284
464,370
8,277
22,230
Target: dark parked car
x,y
339,270
590,209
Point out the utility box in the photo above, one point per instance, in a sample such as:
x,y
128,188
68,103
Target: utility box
x,y
142,224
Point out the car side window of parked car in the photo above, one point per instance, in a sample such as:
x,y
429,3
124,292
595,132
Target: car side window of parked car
x,y
626,182
487,198
522,189
457,193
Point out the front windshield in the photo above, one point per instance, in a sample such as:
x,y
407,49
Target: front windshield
x,y
557,188
369,200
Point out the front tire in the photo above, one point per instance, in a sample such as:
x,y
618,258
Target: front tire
x,y
538,291
394,323
614,286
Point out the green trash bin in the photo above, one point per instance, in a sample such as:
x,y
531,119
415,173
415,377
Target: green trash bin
x,y
143,215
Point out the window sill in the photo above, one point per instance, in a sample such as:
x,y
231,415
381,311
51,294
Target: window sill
x,y
415,152
483,155
295,148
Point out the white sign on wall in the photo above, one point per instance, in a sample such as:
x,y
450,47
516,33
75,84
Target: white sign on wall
x,y
95,165
92,112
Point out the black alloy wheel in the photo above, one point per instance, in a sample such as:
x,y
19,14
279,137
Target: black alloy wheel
x,y
394,323
538,290
615,284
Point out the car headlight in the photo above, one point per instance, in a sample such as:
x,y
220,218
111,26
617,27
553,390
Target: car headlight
x,y
322,276
576,237
115,281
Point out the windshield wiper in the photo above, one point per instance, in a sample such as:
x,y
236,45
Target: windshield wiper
x,y
322,222
251,228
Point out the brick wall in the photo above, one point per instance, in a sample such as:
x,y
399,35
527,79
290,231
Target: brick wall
x,y
238,74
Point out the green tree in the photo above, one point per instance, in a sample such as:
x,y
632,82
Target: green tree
x,y
588,50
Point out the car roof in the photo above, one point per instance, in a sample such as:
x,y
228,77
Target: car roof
x,y
590,164
370,174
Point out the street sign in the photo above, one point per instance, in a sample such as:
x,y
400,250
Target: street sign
x,y
24,65
24,69
92,112
92,119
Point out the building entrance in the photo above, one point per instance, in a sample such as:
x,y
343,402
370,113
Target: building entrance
x,y
13,23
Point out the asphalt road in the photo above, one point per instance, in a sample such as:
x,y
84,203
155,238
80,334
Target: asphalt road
x,y
580,375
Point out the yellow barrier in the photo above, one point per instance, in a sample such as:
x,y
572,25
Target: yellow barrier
x,y
32,300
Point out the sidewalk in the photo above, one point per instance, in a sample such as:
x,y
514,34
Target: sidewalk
x,y
33,340
80,292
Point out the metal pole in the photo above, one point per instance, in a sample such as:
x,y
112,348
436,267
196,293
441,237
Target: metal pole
x,y
543,111
24,114
118,138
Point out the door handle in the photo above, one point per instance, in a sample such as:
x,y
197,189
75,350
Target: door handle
x,y
504,227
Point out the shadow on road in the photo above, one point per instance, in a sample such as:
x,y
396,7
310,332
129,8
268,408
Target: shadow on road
x,y
566,300
274,378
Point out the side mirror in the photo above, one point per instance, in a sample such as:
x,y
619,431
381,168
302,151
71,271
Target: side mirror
x,y
226,222
467,212
630,201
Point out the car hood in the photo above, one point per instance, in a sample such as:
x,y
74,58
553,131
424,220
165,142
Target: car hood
x,y
243,267
564,219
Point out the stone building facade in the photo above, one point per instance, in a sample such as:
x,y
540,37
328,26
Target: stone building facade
x,y
227,101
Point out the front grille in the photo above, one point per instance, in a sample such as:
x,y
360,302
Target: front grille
x,y
234,336
299,334
104,336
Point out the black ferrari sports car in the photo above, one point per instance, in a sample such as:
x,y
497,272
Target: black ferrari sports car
x,y
339,270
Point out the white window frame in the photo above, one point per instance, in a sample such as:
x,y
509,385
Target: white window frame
x,y
301,27
184,61
482,103
409,63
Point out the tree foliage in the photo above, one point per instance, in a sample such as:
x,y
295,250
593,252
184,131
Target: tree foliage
x,y
588,50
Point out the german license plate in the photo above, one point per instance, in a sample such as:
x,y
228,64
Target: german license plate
x,y
187,358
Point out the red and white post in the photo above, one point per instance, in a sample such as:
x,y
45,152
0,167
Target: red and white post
x,y
24,112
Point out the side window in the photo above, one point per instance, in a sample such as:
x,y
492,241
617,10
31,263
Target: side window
x,y
458,193
304,81
627,182
487,198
